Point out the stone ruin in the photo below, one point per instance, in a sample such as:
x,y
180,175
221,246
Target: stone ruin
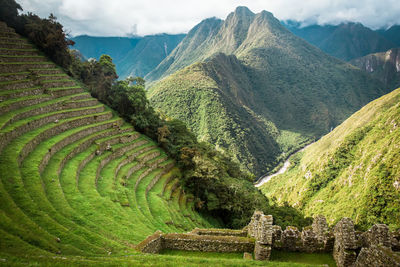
x,y
260,228
375,247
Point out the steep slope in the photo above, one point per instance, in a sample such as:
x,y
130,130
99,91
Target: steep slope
x,y
384,66
134,56
75,179
268,81
351,172
345,41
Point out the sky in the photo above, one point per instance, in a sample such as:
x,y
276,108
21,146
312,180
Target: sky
x,y
144,17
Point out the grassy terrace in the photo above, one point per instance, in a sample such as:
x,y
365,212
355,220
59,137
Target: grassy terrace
x,y
62,190
78,185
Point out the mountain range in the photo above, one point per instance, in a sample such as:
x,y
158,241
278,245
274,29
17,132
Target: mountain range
x,y
249,86
347,41
132,56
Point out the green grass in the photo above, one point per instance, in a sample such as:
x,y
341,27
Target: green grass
x,y
134,259
199,254
297,257
5,118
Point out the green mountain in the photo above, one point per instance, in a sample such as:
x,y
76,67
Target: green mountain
x,y
351,172
134,56
345,41
384,66
392,34
94,46
147,54
255,89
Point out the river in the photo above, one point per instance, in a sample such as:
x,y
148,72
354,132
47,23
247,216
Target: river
x,y
282,170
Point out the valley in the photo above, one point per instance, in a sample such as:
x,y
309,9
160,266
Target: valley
x,y
202,138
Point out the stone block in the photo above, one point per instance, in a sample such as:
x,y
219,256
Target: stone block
x,y
247,256
377,256
262,252
291,239
378,234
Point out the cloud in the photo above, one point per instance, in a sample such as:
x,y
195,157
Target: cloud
x,y
142,17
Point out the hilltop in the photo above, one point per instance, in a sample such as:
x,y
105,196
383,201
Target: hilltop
x,y
259,91
351,172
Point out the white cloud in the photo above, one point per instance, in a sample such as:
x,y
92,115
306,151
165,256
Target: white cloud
x,y
119,17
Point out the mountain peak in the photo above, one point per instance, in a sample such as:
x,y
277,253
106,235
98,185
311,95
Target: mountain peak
x,y
242,10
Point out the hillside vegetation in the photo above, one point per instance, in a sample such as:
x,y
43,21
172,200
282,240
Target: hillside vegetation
x,y
79,185
251,88
351,172
75,178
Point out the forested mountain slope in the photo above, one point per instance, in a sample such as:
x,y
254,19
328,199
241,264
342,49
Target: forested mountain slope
x,y
345,41
351,172
256,89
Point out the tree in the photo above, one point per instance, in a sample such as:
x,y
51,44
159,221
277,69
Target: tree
x,y
49,36
9,13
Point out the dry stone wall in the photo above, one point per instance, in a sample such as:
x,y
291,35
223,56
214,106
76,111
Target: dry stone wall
x,y
193,242
376,247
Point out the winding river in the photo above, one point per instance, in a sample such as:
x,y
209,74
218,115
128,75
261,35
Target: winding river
x,y
282,170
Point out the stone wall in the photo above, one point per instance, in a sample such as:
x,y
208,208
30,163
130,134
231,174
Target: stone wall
x,y
219,232
344,250
377,256
190,242
375,247
152,244
371,248
260,228
193,242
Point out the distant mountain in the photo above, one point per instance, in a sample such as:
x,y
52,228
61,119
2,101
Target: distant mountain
x,y
384,66
392,34
354,171
345,41
147,54
134,56
251,87
94,47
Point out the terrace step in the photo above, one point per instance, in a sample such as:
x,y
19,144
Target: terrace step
x,y
25,66
11,45
54,105
5,28
8,34
17,40
19,52
9,133
14,76
23,58
17,103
